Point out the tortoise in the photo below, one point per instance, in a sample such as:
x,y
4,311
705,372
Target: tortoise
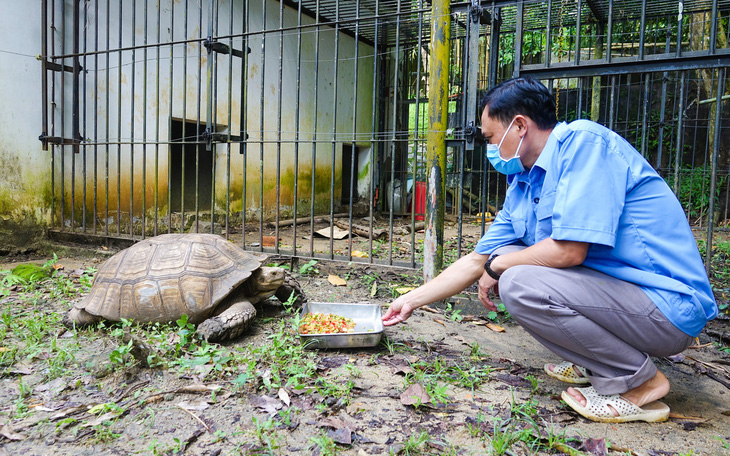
x,y
204,276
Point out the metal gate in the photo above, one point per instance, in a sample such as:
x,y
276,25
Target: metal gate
x,y
265,121
299,128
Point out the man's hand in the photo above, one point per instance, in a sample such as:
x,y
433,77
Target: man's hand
x,y
398,312
487,284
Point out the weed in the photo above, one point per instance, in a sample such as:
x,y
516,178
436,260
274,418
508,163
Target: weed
x,y
323,444
723,441
534,383
103,433
390,345
266,435
309,268
452,314
494,316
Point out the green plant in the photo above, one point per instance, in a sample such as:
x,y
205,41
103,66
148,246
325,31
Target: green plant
x,y
723,441
453,314
414,444
324,444
494,316
534,383
309,268
266,435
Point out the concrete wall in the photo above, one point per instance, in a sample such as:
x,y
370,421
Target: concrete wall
x,y
24,167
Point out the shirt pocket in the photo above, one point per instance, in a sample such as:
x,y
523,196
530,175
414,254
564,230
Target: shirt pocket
x,y
544,216
519,225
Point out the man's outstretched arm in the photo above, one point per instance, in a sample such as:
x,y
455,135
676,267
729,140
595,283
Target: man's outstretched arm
x,y
460,275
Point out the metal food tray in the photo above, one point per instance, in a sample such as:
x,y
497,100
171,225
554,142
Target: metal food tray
x,y
368,325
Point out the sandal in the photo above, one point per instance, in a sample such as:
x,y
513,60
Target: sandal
x,y
597,408
566,372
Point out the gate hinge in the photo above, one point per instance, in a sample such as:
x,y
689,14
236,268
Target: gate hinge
x,y
473,133
475,12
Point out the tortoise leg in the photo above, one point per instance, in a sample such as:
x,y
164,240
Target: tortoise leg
x,y
290,285
79,317
230,323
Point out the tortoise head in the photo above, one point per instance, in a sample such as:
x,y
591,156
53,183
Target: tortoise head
x,y
266,279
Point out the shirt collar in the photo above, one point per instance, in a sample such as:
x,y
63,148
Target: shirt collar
x,y
559,133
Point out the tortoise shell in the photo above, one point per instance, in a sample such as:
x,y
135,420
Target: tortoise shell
x,y
161,278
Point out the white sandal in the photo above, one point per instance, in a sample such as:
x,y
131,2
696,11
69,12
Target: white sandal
x,y
566,372
597,408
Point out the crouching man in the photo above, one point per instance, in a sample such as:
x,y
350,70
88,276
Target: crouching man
x,y
591,253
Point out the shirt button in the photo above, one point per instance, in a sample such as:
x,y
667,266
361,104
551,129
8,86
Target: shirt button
x,y
536,200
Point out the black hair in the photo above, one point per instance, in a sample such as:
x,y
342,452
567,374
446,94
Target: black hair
x,y
525,96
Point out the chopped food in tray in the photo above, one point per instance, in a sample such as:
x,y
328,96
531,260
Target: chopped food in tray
x,y
321,323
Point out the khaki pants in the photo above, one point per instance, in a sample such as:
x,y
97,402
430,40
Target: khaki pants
x,y
606,325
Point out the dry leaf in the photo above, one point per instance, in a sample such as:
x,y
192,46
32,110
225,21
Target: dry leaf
x,y
441,322
677,416
284,396
431,309
336,280
5,349
9,434
404,290
359,254
415,394
105,417
198,388
495,328
193,405
374,289
267,404
462,340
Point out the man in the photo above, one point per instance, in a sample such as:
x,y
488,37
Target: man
x,y
591,253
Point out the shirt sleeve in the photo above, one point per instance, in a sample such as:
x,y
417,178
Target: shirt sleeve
x,y
591,190
499,234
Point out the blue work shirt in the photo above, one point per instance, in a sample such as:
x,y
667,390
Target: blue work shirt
x,y
590,185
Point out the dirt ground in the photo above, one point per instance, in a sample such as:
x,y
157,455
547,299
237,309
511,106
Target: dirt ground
x,y
92,406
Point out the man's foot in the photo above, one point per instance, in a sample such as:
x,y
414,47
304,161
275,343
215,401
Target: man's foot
x,y
653,389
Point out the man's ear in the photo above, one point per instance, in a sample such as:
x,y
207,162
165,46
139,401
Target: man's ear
x,y
520,122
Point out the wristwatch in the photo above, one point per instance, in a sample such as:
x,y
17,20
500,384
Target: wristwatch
x,y
489,270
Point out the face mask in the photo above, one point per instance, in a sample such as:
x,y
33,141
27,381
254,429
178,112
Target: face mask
x,y
508,167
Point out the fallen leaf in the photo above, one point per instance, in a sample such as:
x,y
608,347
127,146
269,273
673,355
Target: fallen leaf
x,y
105,417
678,358
462,340
359,254
284,396
595,447
680,417
9,434
193,405
415,394
199,388
267,404
5,349
441,322
431,309
404,290
374,289
495,328
335,422
336,280
342,436
70,411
